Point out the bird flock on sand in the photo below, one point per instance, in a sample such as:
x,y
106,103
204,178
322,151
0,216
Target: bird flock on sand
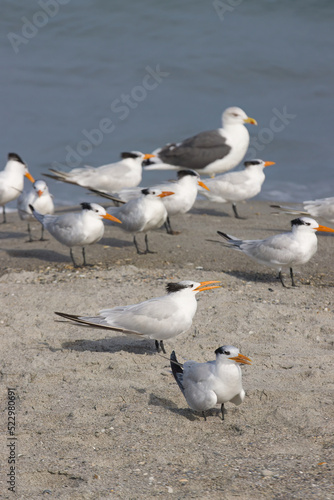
x,y
140,210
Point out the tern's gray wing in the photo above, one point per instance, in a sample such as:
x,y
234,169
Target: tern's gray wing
x,y
196,152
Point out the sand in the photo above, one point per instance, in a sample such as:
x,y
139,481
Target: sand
x,y
100,416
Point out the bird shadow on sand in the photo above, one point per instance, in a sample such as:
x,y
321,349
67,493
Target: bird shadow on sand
x,y
112,345
12,235
41,254
170,406
269,278
115,242
209,211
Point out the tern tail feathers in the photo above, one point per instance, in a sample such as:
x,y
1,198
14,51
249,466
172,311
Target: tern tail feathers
x,y
107,195
88,321
59,176
177,370
231,240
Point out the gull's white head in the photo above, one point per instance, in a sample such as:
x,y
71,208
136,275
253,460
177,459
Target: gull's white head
x,y
309,224
236,116
229,353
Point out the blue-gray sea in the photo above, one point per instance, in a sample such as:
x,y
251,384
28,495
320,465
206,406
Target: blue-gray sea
x,y
83,80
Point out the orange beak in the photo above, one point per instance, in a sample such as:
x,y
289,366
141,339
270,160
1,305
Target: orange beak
x,y
165,193
29,176
148,156
39,193
200,183
325,229
268,163
111,217
250,120
203,283
242,359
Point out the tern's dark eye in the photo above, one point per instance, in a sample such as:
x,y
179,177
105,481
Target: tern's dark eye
x,y
308,223
227,353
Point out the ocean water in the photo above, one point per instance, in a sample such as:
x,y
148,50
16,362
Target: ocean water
x,y
83,80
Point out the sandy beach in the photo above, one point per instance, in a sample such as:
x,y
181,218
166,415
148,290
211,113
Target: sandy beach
x,y
100,416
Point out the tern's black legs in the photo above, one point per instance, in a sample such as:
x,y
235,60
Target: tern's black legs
x,y
42,235
291,276
204,416
168,227
4,220
160,346
72,257
222,410
236,215
147,250
281,279
29,233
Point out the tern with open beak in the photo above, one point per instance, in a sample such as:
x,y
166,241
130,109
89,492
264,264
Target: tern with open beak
x,y
76,229
159,318
282,250
204,385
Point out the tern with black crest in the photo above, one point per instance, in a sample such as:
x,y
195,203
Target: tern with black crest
x,y
109,178
12,180
237,186
290,249
76,229
160,318
204,385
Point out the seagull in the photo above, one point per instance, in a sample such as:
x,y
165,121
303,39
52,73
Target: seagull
x,y
185,190
76,229
12,180
107,178
160,318
323,207
237,186
40,198
205,385
142,214
282,250
211,152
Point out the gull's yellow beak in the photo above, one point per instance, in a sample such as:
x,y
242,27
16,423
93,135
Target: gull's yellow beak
x,y
250,120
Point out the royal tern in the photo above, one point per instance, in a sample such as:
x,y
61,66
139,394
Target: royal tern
x,y
107,178
204,385
76,229
40,198
323,207
160,318
237,186
12,180
211,152
142,214
282,250
185,190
